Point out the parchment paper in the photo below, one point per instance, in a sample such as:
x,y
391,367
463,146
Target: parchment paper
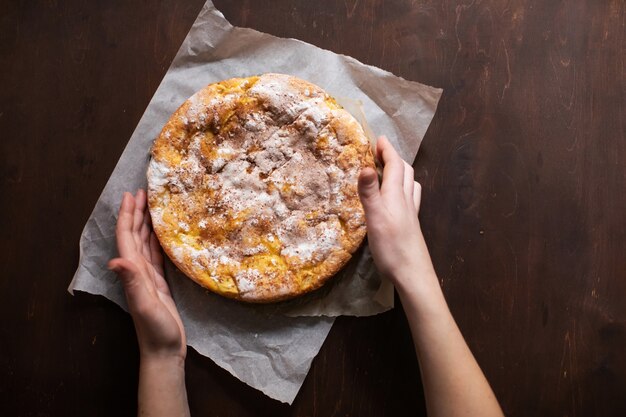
x,y
268,347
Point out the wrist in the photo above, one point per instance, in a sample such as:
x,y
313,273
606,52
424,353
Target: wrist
x,y
162,389
419,287
162,361
422,297
171,352
415,278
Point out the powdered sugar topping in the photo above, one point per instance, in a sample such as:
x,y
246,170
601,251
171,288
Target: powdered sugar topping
x,y
265,177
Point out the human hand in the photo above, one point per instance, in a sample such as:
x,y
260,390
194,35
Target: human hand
x,y
454,385
394,234
160,331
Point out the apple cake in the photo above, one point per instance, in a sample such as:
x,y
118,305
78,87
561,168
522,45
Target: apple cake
x,y
252,187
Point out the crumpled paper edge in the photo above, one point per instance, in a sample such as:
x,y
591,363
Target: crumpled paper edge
x,y
104,277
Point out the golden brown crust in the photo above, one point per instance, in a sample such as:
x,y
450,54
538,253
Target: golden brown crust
x,y
252,187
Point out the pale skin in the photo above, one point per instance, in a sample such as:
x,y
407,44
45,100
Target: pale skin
x,y
453,383
160,331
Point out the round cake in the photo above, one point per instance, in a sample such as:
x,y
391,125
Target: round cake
x,y
252,187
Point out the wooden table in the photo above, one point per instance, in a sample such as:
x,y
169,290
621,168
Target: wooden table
x,y
524,205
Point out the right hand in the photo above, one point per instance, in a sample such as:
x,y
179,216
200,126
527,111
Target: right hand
x,y
393,229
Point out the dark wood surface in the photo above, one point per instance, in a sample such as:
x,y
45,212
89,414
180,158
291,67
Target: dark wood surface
x,y
524,205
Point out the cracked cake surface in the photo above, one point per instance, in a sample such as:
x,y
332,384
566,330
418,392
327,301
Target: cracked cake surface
x,y
252,187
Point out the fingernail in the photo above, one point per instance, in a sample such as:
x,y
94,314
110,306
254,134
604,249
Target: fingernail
x,y
124,198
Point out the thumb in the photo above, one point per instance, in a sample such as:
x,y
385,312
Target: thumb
x,y
369,192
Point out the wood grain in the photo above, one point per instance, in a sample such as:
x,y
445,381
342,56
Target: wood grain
x,y
523,171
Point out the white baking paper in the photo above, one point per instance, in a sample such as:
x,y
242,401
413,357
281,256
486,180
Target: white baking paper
x,y
269,347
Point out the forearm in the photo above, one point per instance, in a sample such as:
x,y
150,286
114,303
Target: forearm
x,y
162,388
454,385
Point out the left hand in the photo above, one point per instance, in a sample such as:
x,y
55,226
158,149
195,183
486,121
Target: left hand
x,y
160,331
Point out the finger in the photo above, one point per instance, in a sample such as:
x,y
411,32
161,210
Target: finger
x,y
408,185
393,166
148,221
145,234
145,242
369,192
417,195
140,204
138,294
123,230
156,257
380,145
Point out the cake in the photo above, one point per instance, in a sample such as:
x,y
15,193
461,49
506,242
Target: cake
x,y
252,187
